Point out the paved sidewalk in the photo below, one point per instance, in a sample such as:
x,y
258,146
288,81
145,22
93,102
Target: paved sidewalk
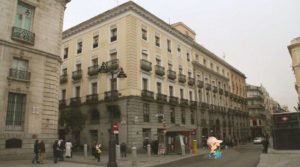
x,y
282,158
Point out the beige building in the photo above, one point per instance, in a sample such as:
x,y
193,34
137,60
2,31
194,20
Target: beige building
x,y
174,86
29,64
294,49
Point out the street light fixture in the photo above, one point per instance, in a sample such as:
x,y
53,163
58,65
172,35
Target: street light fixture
x,y
112,141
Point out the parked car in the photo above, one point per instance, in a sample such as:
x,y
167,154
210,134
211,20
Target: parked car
x,y
258,140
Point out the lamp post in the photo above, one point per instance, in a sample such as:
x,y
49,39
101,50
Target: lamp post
x,y
112,141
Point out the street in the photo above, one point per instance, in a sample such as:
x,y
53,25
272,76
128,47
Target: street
x,y
245,156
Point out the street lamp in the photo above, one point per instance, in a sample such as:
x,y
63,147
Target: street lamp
x,y
112,141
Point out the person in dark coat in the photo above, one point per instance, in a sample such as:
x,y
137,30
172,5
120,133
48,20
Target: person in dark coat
x,y
36,152
42,152
62,148
123,150
56,151
265,144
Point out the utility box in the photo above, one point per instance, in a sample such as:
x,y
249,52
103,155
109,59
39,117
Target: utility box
x,y
286,131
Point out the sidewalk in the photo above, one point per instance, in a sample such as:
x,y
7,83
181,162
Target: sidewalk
x,y
280,158
142,159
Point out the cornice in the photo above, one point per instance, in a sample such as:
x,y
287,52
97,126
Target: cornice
x,y
131,6
198,65
31,50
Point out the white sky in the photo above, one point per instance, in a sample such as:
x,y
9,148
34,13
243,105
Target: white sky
x,y
252,34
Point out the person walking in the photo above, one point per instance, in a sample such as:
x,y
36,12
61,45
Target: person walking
x,y
265,144
61,149
123,150
98,152
56,151
42,152
68,149
36,152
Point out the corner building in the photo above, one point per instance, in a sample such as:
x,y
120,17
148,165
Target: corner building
x,y
29,64
163,95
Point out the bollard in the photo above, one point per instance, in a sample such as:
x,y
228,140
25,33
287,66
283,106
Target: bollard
x,y
118,151
85,150
134,156
149,150
183,150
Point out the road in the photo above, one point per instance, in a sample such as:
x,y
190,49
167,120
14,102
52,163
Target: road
x,y
243,156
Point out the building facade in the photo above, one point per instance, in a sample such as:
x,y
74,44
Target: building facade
x,y
294,49
174,86
29,64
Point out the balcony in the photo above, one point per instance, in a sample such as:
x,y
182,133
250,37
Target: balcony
x,y
171,74
173,100
91,99
226,93
63,78
19,74
62,103
147,95
75,101
161,98
207,86
22,35
181,78
159,70
184,102
113,65
200,84
221,91
204,106
193,104
93,70
77,75
215,89
191,81
111,95
146,65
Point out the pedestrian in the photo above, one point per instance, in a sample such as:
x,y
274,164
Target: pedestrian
x,y
42,152
98,152
265,143
35,158
68,149
123,150
56,151
61,149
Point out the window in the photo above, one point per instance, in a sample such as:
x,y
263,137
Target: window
x,y
63,94
144,34
24,17
197,57
182,116
211,65
192,117
66,52
181,93
160,113
191,95
179,50
188,56
78,67
171,91
77,91
16,107
144,54
79,47
94,88
146,112
170,66
217,68
158,85
19,69
172,114
64,71
113,55
189,74
204,62
113,34
180,70
145,84
169,45
158,61
95,41
95,61
157,41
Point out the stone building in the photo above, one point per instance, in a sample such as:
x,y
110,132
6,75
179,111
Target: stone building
x,y
294,49
174,86
29,64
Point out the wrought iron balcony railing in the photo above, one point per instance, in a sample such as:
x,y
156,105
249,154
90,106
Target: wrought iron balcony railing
x,y
113,65
191,81
22,35
147,95
207,86
146,65
75,101
184,102
215,89
161,98
159,70
171,74
63,78
181,78
111,95
62,102
173,100
200,84
193,104
91,99
93,70
19,74
77,75
221,91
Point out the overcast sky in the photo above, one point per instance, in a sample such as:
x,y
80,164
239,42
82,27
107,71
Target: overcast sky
x,y
251,35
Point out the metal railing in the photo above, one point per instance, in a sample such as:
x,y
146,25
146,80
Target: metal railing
x,y
22,35
19,74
